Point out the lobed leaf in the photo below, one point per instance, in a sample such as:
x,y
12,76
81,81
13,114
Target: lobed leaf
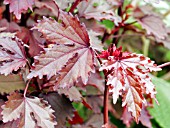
x,y
19,6
12,55
151,22
71,56
128,76
33,112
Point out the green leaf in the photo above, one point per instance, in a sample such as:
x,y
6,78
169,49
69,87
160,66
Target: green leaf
x,y
161,112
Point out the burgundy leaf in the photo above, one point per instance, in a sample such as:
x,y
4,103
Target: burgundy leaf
x,y
33,112
95,102
12,55
11,124
97,9
31,38
127,75
151,22
62,107
72,93
10,26
72,55
49,4
144,118
126,117
19,6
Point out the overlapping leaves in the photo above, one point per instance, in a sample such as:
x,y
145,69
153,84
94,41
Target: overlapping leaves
x,y
71,56
127,75
32,112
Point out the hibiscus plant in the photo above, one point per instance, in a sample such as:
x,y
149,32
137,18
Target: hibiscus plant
x,y
83,63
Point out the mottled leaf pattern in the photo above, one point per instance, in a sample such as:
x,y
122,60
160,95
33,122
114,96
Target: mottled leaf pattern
x,y
33,112
128,76
71,56
12,55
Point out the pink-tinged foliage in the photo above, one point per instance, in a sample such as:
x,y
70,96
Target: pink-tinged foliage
x,y
127,75
102,10
49,4
71,56
151,22
12,55
144,118
63,4
10,26
19,6
72,93
62,107
32,112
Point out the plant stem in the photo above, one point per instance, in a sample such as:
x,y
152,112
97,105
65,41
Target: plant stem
x,y
163,65
106,97
26,88
74,5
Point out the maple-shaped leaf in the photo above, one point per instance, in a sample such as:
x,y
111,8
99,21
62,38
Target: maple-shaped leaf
x,y
127,75
72,56
12,55
33,112
19,6
151,22
97,9
62,107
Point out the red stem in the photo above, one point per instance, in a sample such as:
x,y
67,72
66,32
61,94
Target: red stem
x,y
106,97
74,5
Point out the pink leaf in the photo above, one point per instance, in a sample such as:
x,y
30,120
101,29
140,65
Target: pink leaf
x,y
19,6
127,75
49,4
62,107
102,10
12,55
71,56
32,112
151,22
